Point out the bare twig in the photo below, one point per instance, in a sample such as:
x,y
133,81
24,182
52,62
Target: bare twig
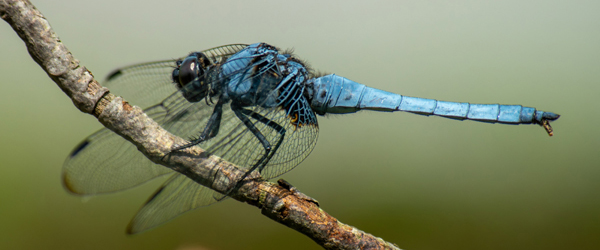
x,y
282,203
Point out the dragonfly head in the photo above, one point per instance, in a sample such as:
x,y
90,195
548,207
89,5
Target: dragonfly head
x,y
189,76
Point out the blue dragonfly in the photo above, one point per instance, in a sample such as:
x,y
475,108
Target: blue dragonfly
x,y
253,105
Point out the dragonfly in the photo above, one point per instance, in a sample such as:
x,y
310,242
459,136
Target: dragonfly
x,y
252,105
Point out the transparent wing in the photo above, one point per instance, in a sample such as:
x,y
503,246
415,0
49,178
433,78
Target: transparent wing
x,y
149,83
105,162
291,144
290,140
144,84
176,196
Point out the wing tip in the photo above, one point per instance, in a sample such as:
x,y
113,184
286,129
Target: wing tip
x,y
69,185
130,230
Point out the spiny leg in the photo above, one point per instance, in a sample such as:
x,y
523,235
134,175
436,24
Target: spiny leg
x,y
274,126
210,130
242,115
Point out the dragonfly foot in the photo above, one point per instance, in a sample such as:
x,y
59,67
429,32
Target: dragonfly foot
x,y
175,149
283,183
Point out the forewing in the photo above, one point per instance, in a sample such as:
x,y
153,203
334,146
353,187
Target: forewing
x,y
176,196
290,141
149,83
143,84
219,54
105,162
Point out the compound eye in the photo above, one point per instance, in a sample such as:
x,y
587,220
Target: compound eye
x,y
188,71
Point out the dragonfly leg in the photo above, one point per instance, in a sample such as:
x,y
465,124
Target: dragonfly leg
x,y
275,127
210,130
243,114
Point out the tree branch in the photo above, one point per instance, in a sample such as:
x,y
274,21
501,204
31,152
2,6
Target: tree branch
x,y
282,203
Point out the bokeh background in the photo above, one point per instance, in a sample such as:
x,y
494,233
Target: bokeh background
x,y
420,182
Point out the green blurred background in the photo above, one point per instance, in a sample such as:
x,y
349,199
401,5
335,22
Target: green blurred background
x,y
420,182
